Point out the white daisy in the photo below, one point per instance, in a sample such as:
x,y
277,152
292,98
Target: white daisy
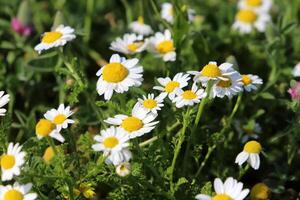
x,y
60,116
123,169
116,158
162,45
250,82
151,104
12,161
46,128
118,75
229,87
246,20
296,71
138,124
129,44
167,12
189,97
251,154
170,86
4,99
257,5
231,189
140,27
59,37
17,192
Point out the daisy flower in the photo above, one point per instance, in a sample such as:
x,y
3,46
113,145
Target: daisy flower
x,y
162,45
116,158
167,12
123,169
251,154
59,37
140,27
138,124
212,71
189,97
260,191
12,161
129,44
46,128
296,70
151,104
231,189
257,5
17,192
170,86
250,82
4,99
118,75
60,116
246,20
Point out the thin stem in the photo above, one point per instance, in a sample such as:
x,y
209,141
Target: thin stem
x,y
236,106
88,20
243,171
149,141
209,152
158,15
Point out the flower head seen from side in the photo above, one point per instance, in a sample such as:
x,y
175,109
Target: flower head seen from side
x,y
294,91
249,130
60,116
257,5
231,189
246,20
167,12
189,97
140,27
170,86
151,103
4,99
162,45
59,37
123,169
250,82
17,192
138,124
118,75
12,161
250,153
260,191
296,70
129,44
45,128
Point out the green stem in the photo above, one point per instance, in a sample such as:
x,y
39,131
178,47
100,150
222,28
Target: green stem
x,y
149,141
243,171
156,11
88,20
209,152
236,106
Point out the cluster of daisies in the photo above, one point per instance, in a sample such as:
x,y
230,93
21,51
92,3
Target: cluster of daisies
x,y
252,15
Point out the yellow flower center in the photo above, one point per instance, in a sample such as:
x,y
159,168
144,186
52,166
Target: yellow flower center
x,y
211,70
224,83
110,142
247,16
165,46
59,119
140,19
13,195
171,11
50,37
48,155
189,95
252,147
221,197
260,191
132,47
149,103
131,124
171,86
254,3
114,72
8,161
246,79
44,127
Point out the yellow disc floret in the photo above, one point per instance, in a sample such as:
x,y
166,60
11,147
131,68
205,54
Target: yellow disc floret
x,y
252,147
224,83
44,127
171,86
260,191
247,16
8,161
149,103
246,79
254,3
114,72
132,47
188,95
50,37
59,119
13,195
165,46
211,71
110,142
140,19
131,124
221,197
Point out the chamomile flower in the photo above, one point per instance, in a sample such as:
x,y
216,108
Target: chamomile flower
x,y
45,128
4,99
251,154
212,71
123,169
296,71
162,45
140,27
12,161
17,192
59,37
116,158
251,82
167,12
257,5
170,86
138,124
246,20
118,75
150,103
260,191
129,44
189,97
60,116
231,189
